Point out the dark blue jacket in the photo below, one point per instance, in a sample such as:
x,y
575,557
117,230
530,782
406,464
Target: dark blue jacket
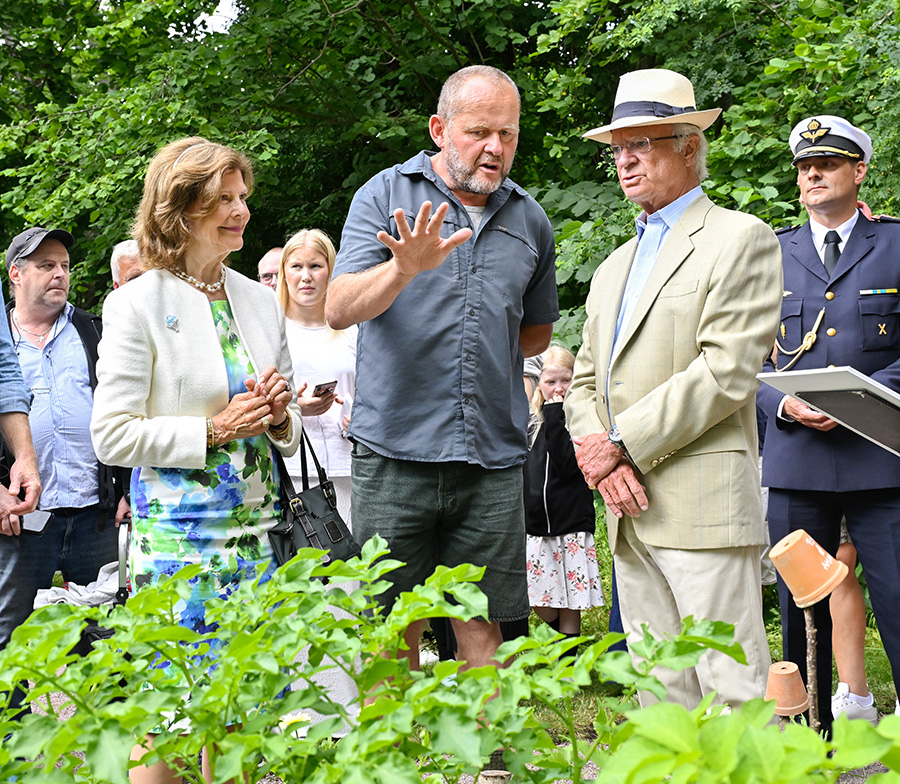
x,y
866,336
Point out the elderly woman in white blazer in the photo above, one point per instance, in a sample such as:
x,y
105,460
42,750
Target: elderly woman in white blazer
x,y
193,386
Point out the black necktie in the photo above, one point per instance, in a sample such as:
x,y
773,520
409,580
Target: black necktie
x,y
832,252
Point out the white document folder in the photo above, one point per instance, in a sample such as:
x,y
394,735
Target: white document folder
x,y
852,398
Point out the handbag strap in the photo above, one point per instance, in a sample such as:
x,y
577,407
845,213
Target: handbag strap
x,y
304,442
286,482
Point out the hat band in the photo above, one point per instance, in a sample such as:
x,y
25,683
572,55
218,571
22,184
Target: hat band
x,y
830,144
649,109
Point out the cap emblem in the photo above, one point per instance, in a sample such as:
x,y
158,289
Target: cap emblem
x,y
814,131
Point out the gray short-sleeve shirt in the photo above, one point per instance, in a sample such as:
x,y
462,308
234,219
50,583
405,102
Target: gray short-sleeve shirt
x,y
439,373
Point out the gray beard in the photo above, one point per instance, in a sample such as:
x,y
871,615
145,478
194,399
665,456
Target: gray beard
x,y
466,179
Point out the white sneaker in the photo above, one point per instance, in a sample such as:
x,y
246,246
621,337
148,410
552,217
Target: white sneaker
x,y
844,702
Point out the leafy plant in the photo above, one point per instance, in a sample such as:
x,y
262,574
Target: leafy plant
x,y
416,727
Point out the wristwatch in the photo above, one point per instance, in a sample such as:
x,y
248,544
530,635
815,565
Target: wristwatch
x,y
616,439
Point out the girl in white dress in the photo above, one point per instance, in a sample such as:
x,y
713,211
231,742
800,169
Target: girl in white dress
x,y
563,576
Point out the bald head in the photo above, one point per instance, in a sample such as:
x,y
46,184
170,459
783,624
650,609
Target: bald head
x,y
125,264
267,268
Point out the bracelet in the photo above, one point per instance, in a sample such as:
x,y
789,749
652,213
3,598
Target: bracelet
x,y
283,431
209,433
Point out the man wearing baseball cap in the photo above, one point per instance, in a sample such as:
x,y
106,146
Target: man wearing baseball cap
x,y
679,321
57,348
842,285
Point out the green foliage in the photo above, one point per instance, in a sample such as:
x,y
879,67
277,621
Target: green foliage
x,y
325,93
416,728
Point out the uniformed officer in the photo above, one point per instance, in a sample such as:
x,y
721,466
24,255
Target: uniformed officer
x,y
841,306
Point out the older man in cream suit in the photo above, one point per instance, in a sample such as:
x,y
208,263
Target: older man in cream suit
x,y
680,320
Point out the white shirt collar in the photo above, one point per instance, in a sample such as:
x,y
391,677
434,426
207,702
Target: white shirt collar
x,y
819,231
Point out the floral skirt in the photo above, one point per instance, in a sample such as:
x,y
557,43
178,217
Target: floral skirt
x,y
562,572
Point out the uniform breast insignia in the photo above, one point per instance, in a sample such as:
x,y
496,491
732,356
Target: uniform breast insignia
x,y
786,294
782,331
867,292
882,329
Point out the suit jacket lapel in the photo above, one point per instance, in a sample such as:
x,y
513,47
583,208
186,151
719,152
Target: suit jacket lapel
x,y
860,242
677,247
804,251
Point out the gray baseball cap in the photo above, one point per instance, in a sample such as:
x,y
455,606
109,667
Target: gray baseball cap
x,y
24,244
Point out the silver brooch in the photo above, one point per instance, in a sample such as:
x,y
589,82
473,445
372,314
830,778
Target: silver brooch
x,y
172,323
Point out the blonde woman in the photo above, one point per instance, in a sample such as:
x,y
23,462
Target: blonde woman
x,y
193,386
320,355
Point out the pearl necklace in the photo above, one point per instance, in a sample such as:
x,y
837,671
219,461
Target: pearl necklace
x,y
212,288
40,336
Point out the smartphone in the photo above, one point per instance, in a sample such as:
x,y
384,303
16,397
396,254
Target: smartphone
x,y
35,522
324,389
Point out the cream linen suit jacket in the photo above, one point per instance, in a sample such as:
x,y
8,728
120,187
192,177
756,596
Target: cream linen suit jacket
x,y
161,371
682,387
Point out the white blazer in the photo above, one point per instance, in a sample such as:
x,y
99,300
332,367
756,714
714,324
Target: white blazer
x,y
161,371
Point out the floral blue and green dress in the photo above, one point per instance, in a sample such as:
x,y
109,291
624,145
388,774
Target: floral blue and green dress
x,y
218,516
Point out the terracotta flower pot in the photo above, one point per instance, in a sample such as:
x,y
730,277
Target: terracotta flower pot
x,y
785,686
809,572
494,777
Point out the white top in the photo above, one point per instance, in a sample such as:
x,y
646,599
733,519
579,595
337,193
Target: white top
x,y
161,370
318,356
819,231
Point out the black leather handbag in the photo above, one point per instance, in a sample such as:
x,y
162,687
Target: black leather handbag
x,y
310,518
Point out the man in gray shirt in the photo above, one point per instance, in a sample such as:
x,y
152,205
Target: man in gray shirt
x,y
448,301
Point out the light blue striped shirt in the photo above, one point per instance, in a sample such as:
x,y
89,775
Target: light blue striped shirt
x,y
652,232
57,375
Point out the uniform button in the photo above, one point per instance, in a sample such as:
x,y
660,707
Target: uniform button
x,y
831,366
831,332
654,463
829,295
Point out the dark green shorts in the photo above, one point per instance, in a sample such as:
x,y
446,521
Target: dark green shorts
x,y
445,514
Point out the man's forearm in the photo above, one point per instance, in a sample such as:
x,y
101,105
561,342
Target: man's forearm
x,y
23,473
535,338
359,296
17,435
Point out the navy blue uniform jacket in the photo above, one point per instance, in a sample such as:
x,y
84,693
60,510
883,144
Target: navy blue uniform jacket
x,y
866,337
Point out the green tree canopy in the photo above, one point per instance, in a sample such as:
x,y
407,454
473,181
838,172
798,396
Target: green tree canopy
x,y
324,93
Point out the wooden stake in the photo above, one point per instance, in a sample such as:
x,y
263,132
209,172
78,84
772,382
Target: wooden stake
x,y
812,681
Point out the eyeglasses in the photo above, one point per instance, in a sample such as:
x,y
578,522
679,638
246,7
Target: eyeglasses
x,y
639,146
266,276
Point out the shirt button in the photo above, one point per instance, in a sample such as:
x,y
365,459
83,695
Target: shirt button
x,y
474,270
829,295
468,357
471,311
467,401
831,332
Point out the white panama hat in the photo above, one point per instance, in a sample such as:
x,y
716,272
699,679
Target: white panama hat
x,y
654,96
